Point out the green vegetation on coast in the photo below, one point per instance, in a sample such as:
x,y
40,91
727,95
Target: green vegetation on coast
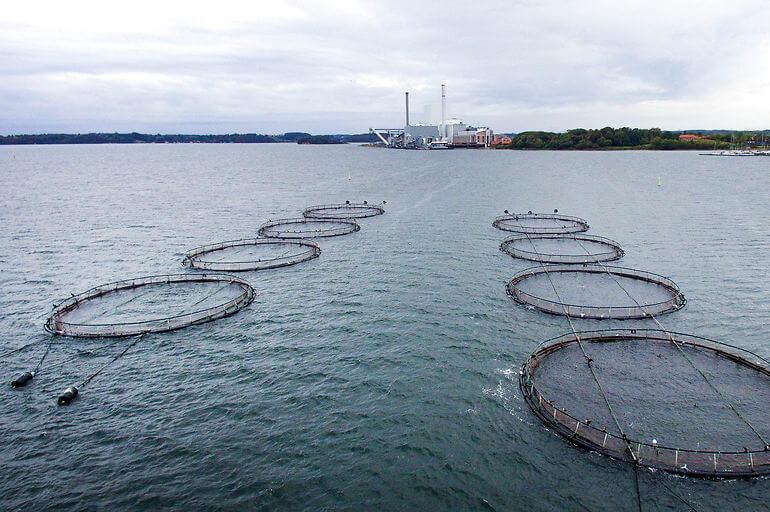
x,y
632,138
579,139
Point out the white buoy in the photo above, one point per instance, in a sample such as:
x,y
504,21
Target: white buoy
x,y
659,182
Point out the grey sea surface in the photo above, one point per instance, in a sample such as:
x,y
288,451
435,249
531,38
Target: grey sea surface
x,y
383,374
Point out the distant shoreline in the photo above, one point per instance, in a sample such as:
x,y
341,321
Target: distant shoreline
x,y
491,148
145,138
604,139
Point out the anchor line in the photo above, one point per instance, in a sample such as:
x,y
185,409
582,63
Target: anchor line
x,y
108,363
675,343
587,359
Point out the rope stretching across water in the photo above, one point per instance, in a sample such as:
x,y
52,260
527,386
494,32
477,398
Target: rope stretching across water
x,y
678,346
589,361
138,338
108,363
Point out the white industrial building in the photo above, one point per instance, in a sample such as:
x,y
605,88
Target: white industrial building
x,y
447,134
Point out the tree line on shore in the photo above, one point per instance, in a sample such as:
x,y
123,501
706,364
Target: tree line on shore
x,y
632,138
577,139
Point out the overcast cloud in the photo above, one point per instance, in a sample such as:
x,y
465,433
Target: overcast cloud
x,y
341,67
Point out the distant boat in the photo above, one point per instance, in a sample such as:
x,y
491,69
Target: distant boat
x,y
733,152
439,144
764,151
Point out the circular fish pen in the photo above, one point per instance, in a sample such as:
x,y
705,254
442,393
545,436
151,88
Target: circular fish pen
x,y
307,228
593,291
540,223
251,254
121,308
343,211
559,248
674,402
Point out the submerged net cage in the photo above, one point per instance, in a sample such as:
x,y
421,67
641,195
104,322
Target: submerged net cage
x,y
121,308
251,254
674,402
595,291
560,248
540,223
307,228
343,211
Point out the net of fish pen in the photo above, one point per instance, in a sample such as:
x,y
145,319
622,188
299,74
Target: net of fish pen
x,y
562,248
595,291
150,304
343,211
307,228
540,223
682,403
251,254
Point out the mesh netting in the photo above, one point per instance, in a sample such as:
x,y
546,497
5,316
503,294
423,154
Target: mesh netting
x,y
251,254
562,248
129,307
592,291
540,223
684,404
343,211
307,228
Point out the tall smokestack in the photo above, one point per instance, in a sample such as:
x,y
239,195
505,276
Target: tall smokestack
x,y
443,111
406,95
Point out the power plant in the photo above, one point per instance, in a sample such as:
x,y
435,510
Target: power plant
x,y
449,133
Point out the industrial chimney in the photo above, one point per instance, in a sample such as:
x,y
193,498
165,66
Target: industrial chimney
x,y
443,112
406,95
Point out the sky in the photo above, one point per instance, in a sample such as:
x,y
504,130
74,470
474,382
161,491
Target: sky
x,y
343,66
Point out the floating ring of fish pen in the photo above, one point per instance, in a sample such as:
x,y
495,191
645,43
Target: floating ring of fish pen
x,y
57,323
557,305
303,250
735,462
343,211
292,228
540,223
524,247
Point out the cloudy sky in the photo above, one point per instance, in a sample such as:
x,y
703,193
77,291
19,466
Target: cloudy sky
x,y
341,67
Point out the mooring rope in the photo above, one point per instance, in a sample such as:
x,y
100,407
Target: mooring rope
x,y
676,495
677,345
47,350
115,308
188,308
19,349
27,345
121,354
72,392
49,366
91,377
59,364
588,360
638,489
282,255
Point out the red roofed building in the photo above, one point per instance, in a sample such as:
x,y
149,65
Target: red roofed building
x,y
687,137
